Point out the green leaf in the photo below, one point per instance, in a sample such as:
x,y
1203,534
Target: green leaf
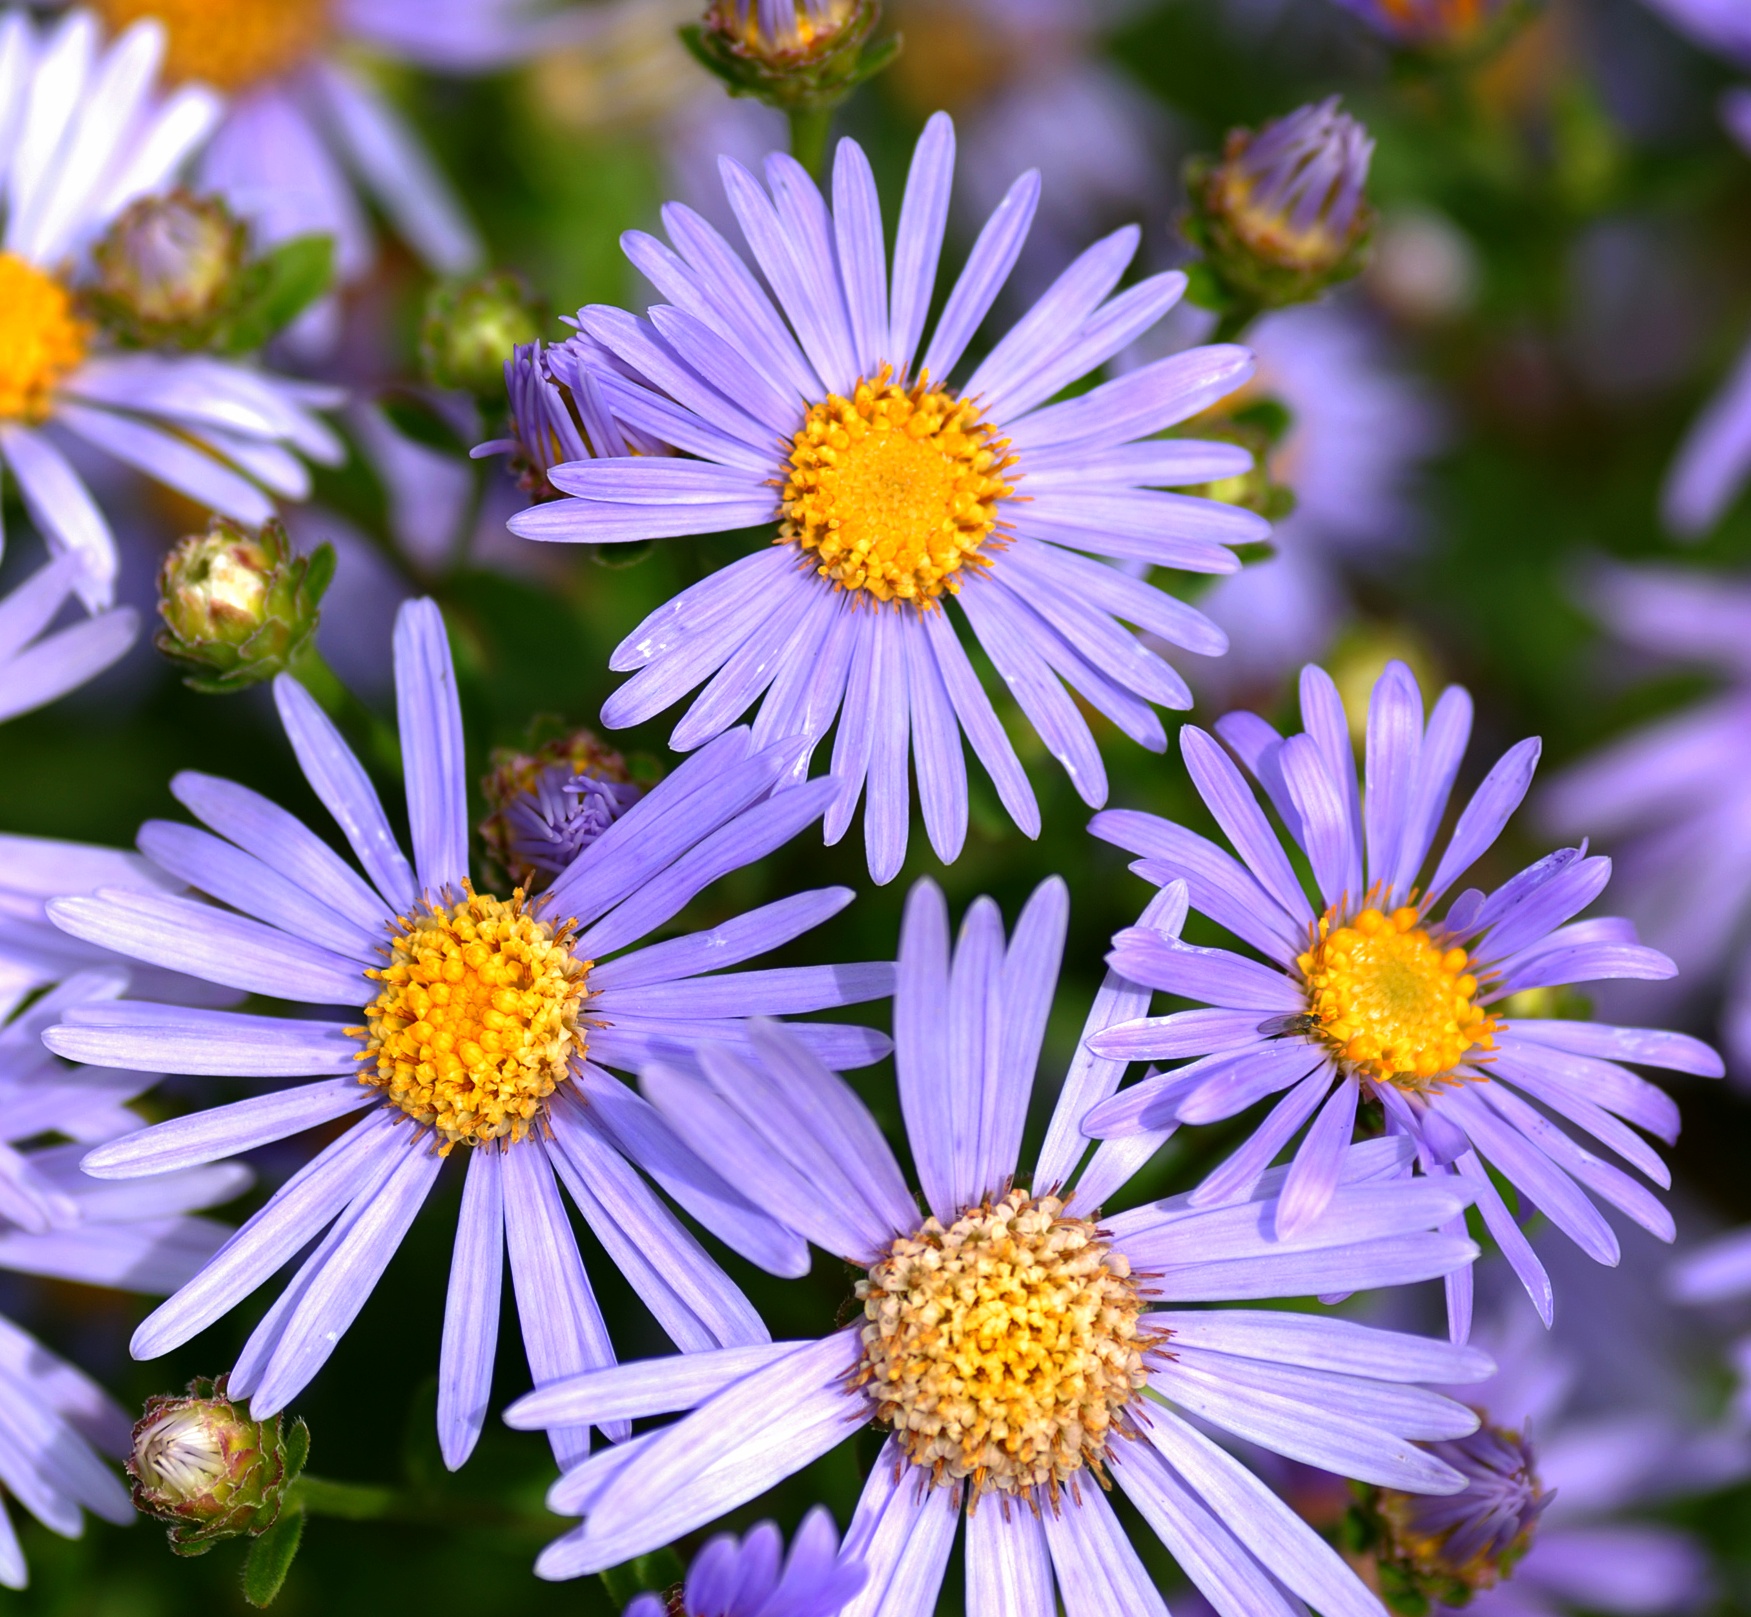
x,y
271,1557
285,282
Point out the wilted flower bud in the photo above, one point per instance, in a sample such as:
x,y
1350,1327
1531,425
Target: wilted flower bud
x,y
1433,1550
1282,216
472,328
168,268
201,1464
550,804
239,607
797,55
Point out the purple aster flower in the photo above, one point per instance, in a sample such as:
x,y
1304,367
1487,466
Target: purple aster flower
x,y
1718,1272
1673,796
1024,1424
752,1578
55,1424
84,132
305,127
1364,994
897,492
469,1020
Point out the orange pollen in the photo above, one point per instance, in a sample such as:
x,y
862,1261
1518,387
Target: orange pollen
x,y
1391,1002
476,1022
894,491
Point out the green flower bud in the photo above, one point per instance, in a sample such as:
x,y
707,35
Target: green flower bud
x,y
168,270
796,55
1282,216
201,1464
239,607
471,328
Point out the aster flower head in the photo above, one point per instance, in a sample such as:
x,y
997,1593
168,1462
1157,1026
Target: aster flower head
x,y
305,131
1283,215
83,133
465,1019
1023,1352
1366,994
752,1577
897,492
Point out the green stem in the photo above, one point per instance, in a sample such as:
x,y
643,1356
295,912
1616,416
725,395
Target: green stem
x,y
809,127
371,1502
1232,326
363,727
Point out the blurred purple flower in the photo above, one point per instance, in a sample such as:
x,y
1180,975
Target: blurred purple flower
x,y
1673,798
748,1578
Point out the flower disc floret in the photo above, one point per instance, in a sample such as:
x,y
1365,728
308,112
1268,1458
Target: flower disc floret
x,y
42,338
894,490
230,44
1394,1004
477,1020
1003,1348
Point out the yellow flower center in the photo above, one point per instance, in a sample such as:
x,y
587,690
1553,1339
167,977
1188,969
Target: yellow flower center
x,y
895,489
477,1020
1394,1005
230,44
1002,1349
42,338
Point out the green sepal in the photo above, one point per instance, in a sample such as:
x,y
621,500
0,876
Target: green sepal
x,y
277,288
270,1558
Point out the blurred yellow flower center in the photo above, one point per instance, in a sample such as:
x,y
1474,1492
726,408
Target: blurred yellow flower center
x,y
230,44
1392,1003
476,1023
1436,21
895,489
1001,1349
41,338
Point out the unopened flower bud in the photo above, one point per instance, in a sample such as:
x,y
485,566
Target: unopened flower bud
x,y
1282,216
472,328
1431,1551
201,1464
797,55
238,606
168,270
550,804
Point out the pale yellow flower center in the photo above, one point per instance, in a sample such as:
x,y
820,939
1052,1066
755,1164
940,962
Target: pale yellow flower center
x,y
1002,1349
476,1023
42,338
230,44
894,491
1392,1003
